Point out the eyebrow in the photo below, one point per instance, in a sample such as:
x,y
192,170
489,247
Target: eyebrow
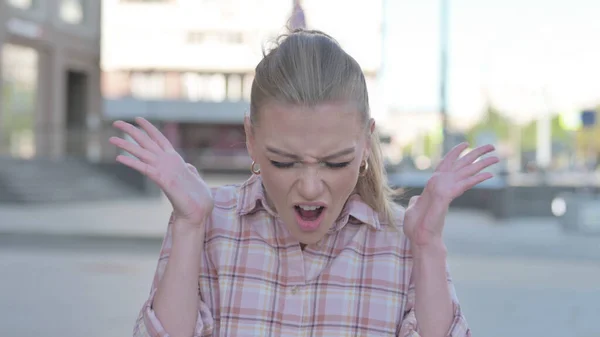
x,y
296,157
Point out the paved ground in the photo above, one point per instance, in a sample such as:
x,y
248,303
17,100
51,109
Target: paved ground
x,y
85,269
57,290
145,219
521,297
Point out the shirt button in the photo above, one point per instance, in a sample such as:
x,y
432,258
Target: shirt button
x,y
294,290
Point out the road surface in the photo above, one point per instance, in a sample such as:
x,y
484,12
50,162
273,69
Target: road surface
x,y
69,287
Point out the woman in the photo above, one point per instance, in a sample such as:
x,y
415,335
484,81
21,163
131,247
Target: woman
x,y
312,244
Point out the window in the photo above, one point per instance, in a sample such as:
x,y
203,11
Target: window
x,y
19,100
148,85
72,11
22,4
215,37
204,87
144,1
234,87
247,86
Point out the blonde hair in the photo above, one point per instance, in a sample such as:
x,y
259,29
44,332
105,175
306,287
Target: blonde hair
x,y
308,67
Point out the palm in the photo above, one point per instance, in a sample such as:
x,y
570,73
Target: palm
x,y
424,218
157,159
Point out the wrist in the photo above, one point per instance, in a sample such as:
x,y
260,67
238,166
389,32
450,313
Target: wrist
x,y
187,224
184,229
435,249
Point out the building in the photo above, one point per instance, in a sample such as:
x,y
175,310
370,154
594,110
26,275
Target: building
x,y
188,64
51,103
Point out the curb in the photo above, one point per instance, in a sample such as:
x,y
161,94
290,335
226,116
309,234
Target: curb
x,y
583,249
86,242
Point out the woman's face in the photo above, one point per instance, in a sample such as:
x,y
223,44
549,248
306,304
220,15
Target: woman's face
x,y
309,160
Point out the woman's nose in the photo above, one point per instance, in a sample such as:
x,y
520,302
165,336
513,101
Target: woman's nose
x,y
310,186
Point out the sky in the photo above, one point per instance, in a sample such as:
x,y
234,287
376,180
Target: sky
x,y
524,56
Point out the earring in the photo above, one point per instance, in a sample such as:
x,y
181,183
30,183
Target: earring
x,y
365,167
254,169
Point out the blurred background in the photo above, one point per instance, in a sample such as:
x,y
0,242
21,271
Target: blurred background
x,y
80,234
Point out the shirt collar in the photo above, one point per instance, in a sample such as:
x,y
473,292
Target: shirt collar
x,y
252,198
356,210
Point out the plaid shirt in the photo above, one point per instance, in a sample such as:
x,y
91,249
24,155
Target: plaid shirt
x,y
256,281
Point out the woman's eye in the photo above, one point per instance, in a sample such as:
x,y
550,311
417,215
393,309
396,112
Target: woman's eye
x,y
337,165
281,165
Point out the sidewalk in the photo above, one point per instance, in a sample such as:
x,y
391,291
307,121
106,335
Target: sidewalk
x,y
125,218
146,218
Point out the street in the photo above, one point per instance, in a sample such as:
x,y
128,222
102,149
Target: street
x,y
64,292
72,287
85,269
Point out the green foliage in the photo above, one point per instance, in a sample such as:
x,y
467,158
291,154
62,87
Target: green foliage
x,y
494,122
529,134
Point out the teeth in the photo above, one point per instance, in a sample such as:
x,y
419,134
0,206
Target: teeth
x,y
310,208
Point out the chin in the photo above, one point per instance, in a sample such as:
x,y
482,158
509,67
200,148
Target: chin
x,y
312,235
309,238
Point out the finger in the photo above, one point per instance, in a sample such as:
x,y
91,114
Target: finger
x,y
140,137
470,182
154,133
472,156
476,167
193,169
143,154
413,200
139,166
449,159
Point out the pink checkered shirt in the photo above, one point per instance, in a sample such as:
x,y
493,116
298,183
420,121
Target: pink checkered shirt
x,y
256,281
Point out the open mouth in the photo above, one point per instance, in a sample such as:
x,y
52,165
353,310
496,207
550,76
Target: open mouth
x,y
309,213
309,217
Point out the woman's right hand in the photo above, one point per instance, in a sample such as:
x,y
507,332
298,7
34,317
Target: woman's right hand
x,y
157,159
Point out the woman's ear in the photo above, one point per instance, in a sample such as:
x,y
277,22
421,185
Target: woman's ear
x,y
369,139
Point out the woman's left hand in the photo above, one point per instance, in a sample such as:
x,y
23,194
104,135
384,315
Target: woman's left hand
x,y
425,214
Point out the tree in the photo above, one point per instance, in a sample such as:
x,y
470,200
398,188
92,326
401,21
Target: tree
x,y
529,134
493,121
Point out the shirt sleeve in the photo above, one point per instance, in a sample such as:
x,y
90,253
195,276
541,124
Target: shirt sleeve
x,y
410,328
147,324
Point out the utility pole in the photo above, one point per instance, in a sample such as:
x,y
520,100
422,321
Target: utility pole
x,y
544,133
384,34
381,73
444,75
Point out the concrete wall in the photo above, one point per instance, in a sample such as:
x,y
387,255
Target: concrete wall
x,y
61,47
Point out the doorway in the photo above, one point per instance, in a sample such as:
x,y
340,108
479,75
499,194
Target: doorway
x,y
76,113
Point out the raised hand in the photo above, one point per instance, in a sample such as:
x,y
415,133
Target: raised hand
x,y
425,214
156,158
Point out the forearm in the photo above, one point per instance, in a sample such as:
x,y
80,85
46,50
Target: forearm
x,y
176,299
434,309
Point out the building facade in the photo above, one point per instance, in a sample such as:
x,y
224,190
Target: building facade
x,y
188,65
206,50
51,104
